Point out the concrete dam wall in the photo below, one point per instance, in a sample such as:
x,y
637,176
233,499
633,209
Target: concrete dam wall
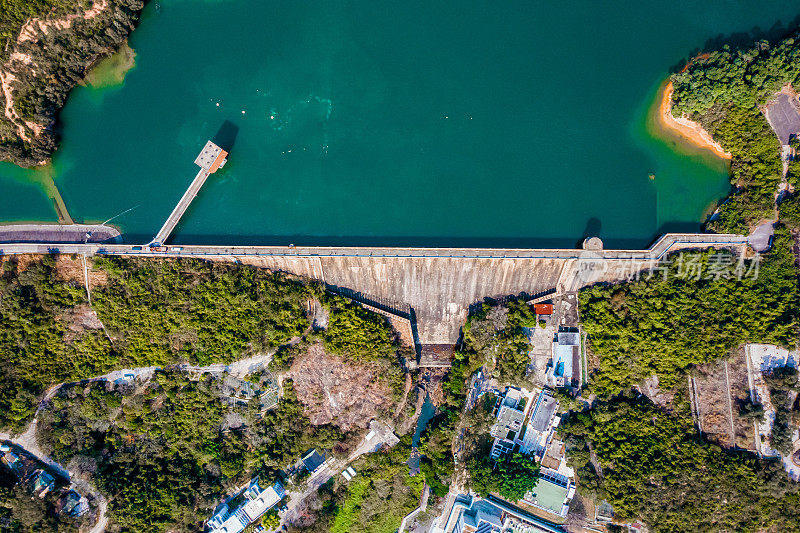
x,y
441,289
438,284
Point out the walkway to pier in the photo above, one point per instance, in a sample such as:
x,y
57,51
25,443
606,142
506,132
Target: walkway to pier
x,y
180,209
210,159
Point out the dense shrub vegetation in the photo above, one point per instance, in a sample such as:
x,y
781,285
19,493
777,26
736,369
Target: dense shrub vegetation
x,y
494,339
655,467
14,13
377,498
790,211
664,324
436,447
197,311
156,312
356,333
159,453
723,91
511,476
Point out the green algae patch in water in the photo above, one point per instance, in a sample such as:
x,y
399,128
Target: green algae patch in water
x,y
43,176
111,71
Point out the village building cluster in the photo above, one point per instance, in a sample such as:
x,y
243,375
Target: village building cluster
x,y
236,391
253,501
39,482
526,422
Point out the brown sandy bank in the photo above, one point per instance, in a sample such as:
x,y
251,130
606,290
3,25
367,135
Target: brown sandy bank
x,y
687,129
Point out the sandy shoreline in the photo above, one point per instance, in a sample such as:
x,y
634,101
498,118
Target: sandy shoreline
x,y
688,129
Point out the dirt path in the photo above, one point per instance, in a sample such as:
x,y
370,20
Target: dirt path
x,y
6,79
28,31
409,385
102,518
730,404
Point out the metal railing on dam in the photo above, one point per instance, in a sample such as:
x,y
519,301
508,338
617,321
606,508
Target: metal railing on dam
x,y
665,244
439,284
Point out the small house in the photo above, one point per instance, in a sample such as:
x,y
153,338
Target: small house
x,y
313,460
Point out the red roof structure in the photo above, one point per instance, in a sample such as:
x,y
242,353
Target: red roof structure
x,y
543,309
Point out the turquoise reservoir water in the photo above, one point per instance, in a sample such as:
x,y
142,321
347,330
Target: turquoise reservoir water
x,y
421,123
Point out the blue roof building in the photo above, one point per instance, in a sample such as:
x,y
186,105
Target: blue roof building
x,y
313,460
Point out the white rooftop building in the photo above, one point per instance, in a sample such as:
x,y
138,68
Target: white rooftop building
x,y
566,359
541,425
525,421
471,514
257,501
508,426
552,493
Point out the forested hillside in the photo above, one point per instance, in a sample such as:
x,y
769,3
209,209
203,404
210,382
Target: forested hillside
x,y
148,313
40,64
693,311
649,461
165,449
655,467
494,339
158,452
723,90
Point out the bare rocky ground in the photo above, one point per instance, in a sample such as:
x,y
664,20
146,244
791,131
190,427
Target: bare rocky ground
x,y
334,391
717,393
662,398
